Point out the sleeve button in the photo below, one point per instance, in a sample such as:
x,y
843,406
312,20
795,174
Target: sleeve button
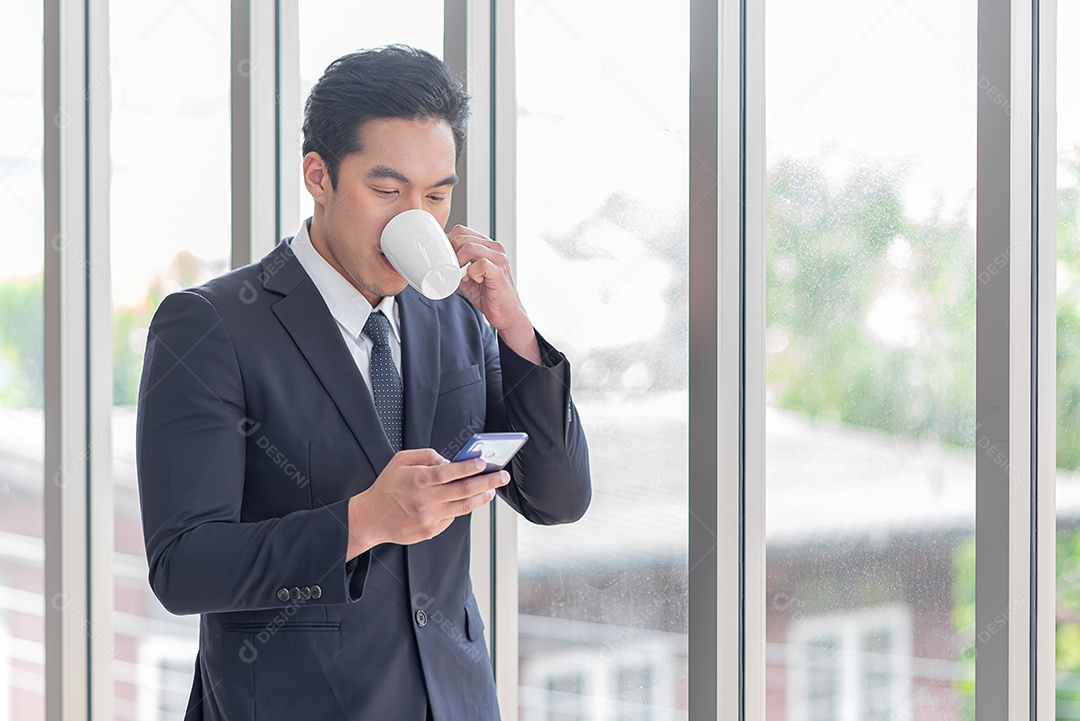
x,y
294,593
316,592
283,594
305,593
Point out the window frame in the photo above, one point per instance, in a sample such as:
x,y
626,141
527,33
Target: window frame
x,y
152,650
849,627
1016,520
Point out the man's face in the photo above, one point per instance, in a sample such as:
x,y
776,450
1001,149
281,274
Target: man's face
x,y
404,164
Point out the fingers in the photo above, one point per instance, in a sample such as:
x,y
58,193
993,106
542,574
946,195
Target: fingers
x,y
470,504
470,246
476,254
429,468
452,471
468,487
462,234
419,457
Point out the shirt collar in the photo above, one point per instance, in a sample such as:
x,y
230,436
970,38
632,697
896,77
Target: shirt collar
x,y
348,306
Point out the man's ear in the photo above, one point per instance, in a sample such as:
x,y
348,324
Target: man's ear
x,y
317,178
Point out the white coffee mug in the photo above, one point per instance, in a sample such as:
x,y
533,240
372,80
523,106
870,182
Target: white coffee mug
x,y
415,244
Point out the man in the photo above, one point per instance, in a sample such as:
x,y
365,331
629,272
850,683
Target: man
x,y
295,420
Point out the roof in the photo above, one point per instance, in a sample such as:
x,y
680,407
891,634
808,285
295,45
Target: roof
x,y
826,484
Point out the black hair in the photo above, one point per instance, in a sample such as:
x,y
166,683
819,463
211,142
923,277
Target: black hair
x,y
390,81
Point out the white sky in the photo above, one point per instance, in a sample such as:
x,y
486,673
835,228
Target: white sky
x,y
603,98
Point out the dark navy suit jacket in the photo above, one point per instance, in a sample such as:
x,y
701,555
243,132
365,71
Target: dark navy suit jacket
x,y
254,429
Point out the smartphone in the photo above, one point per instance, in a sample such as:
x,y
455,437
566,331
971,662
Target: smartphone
x,y
495,448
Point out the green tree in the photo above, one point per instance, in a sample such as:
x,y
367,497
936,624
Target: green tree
x,y
22,350
837,256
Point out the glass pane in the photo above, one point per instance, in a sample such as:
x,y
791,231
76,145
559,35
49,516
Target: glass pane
x,y
602,257
22,424
1068,365
330,29
170,230
870,365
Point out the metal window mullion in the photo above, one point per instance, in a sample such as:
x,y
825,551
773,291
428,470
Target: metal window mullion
x,y
65,372
501,195
290,115
1020,338
1045,106
1004,373
101,515
753,200
254,136
714,605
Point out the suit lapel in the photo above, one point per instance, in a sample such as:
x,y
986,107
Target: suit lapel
x,y
307,319
420,365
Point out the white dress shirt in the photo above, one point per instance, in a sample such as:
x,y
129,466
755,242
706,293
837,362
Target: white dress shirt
x,y
348,306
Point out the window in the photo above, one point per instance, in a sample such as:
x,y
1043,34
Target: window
x,y
852,666
1068,368
634,686
170,229
596,684
165,668
869,343
565,693
5,673
602,269
22,431
847,176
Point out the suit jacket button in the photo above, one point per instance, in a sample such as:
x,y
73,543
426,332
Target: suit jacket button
x,y
421,618
283,594
316,592
305,593
294,593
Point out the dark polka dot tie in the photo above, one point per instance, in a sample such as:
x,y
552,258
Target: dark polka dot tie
x,y
385,380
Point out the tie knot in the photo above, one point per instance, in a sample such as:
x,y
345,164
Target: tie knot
x,y
377,327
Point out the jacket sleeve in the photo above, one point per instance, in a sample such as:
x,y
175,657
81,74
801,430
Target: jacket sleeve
x,y
550,480
190,456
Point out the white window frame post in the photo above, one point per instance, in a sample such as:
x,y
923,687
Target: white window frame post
x,y
1015,381
1044,106
78,362
253,99
727,403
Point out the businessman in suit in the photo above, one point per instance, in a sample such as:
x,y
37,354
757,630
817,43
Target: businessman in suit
x,y
296,417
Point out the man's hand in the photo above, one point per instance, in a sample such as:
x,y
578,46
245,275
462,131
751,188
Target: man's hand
x,y
490,287
416,497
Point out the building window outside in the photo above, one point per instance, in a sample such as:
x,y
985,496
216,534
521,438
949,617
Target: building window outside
x,y
600,683
851,666
165,669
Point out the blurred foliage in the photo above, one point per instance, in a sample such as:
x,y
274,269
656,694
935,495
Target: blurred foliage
x,y
22,338
1068,317
963,620
22,344
1068,623
1067,571
870,316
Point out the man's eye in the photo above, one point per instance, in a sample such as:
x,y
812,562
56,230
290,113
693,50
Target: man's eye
x,y
436,198
385,193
